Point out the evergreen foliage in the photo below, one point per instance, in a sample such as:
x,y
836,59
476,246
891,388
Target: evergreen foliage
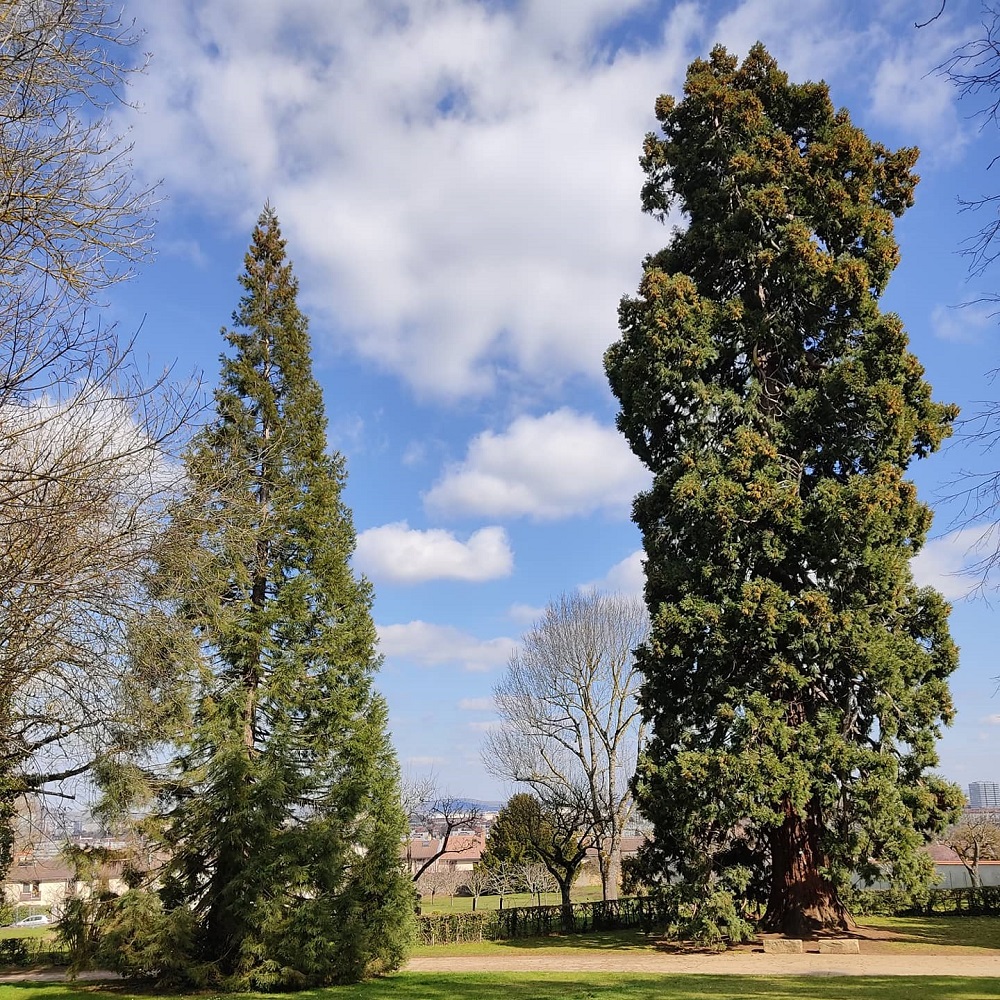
x,y
285,821
795,677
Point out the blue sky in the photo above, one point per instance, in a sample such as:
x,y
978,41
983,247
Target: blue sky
x,y
458,182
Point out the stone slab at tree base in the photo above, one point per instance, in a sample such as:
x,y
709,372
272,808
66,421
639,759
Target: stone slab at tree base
x,y
783,946
839,946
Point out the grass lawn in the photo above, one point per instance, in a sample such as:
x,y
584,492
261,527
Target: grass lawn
x,y
927,934
590,986
556,944
26,932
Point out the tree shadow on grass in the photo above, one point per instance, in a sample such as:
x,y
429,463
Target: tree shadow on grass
x,y
629,940
975,932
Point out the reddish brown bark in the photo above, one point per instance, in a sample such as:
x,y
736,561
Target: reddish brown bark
x,y
801,901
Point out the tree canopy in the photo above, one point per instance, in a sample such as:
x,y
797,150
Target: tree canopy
x,y
284,819
81,431
795,678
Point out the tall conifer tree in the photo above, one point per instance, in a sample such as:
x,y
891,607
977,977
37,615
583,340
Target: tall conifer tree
x,y
795,678
287,820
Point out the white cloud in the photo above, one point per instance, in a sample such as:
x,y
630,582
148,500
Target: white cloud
x,y
963,324
525,614
908,94
558,465
947,563
440,645
459,182
806,37
477,705
627,577
992,720
400,554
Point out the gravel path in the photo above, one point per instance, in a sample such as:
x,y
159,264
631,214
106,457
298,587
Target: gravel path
x,y
759,964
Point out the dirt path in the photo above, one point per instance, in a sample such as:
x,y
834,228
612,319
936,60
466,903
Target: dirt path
x,y
738,964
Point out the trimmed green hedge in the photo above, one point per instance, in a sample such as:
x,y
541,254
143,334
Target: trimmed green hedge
x,y
539,921
22,953
982,901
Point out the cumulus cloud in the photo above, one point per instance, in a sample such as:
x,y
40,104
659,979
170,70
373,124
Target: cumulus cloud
x,y
398,553
426,159
626,577
442,645
907,93
947,563
525,614
558,465
459,180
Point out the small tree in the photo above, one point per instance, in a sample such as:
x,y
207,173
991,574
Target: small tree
x,y
536,878
504,877
443,817
478,882
527,833
442,879
974,839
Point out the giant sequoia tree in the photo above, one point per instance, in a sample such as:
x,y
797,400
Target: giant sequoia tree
x,y
795,676
286,821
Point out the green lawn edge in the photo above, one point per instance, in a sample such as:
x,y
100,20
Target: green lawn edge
x,y
579,986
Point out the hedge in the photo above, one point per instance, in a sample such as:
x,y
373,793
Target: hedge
x,y
27,952
974,902
538,921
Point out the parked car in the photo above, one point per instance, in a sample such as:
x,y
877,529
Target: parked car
x,y
35,920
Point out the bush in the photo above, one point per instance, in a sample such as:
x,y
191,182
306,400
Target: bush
x,y
134,936
982,901
28,952
14,951
454,928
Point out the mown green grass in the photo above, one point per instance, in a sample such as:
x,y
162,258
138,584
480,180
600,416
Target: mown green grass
x,y
45,930
557,944
933,933
591,986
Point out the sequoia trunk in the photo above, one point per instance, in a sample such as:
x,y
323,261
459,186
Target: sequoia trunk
x,y
801,900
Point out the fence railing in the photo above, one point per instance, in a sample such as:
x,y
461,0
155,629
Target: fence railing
x,y
538,921
970,901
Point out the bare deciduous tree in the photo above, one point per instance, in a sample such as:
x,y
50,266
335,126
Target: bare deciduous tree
x,y
974,69
478,882
535,878
437,880
505,879
81,431
443,816
974,839
572,726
